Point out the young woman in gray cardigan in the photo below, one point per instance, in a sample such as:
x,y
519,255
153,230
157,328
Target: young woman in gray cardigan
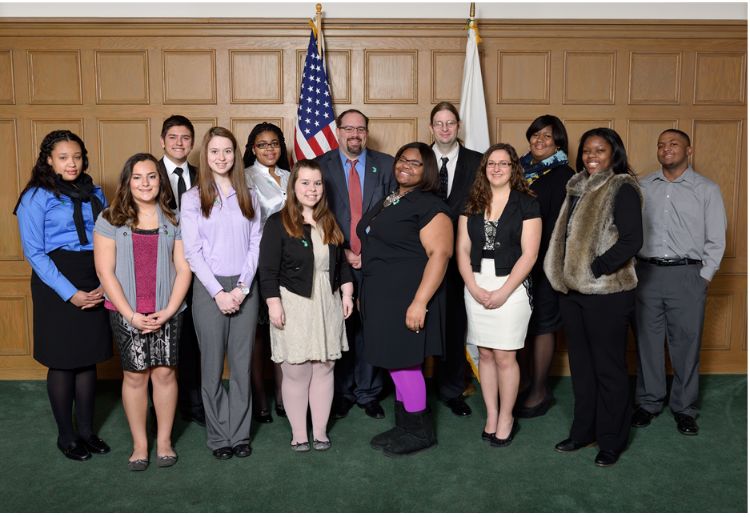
x,y
140,262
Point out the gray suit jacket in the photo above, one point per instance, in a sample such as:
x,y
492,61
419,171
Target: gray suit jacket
x,y
379,182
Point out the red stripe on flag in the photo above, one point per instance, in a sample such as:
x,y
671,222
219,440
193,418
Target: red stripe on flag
x,y
315,146
332,141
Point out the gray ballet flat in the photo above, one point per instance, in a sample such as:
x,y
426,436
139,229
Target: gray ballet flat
x,y
166,461
138,465
301,447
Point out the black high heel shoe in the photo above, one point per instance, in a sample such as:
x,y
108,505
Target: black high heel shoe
x,y
262,416
280,411
504,442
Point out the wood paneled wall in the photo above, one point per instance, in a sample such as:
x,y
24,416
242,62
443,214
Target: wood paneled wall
x,y
114,81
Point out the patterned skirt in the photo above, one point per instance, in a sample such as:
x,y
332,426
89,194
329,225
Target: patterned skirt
x,y
139,352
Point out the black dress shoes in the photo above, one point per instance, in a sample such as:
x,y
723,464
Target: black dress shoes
x,y
242,450
223,453
570,445
95,445
262,416
459,406
280,411
373,409
504,442
606,458
641,418
198,418
341,408
486,436
686,424
75,450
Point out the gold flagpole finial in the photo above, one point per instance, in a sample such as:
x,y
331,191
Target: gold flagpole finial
x,y
318,26
472,9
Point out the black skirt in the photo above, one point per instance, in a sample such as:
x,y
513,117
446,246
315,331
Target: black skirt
x,y
66,337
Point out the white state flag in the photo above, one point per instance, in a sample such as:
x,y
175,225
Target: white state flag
x,y
474,128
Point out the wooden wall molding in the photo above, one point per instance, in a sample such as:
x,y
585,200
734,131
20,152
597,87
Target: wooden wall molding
x,y
113,81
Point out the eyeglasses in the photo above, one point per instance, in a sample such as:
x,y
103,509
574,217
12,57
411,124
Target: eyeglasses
x,y
351,129
449,124
499,165
413,164
268,145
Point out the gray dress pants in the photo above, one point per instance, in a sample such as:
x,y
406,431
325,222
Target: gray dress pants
x,y
228,413
670,302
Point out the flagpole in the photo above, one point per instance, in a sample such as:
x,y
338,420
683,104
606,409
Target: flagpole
x,y
318,25
471,11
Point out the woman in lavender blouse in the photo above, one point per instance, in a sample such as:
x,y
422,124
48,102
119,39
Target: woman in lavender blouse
x,y
220,223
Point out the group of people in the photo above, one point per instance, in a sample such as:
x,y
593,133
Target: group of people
x,y
358,263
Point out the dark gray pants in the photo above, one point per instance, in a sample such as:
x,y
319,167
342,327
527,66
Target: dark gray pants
x,y
670,302
228,414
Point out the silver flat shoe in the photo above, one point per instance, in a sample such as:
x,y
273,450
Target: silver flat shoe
x,y
301,447
320,445
166,461
138,465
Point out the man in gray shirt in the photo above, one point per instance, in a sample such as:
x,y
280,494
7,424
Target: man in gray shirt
x,y
684,227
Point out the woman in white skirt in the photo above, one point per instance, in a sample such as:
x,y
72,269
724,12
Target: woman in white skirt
x,y
498,242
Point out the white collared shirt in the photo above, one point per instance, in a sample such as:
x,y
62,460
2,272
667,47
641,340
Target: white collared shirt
x,y
271,195
174,178
451,165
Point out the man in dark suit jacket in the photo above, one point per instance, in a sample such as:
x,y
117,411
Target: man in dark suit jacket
x,y
356,381
458,166
177,137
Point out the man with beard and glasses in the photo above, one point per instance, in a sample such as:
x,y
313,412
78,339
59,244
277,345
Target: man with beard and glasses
x,y
355,179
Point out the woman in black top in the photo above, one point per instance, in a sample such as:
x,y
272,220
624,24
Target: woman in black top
x,y
591,260
546,171
301,268
498,241
407,240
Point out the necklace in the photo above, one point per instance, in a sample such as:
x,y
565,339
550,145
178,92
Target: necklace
x,y
394,198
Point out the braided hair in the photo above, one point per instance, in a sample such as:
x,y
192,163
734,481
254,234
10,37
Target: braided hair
x,y
43,175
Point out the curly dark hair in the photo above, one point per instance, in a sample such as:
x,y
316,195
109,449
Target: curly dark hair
x,y
480,195
42,174
123,210
248,158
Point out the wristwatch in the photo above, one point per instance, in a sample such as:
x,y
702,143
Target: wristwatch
x,y
245,289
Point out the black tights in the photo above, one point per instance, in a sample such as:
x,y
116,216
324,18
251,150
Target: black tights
x,y
66,386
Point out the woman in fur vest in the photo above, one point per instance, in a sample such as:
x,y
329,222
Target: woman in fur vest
x,y
591,262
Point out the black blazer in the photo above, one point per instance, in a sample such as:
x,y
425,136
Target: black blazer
x,y
508,237
379,182
467,164
290,261
193,172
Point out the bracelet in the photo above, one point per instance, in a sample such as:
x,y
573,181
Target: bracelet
x,y
131,318
347,296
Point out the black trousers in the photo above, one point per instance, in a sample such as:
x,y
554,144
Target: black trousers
x,y
451,369
596,328
189,397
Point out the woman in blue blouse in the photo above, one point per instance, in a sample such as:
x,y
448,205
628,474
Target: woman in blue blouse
x,y
56,213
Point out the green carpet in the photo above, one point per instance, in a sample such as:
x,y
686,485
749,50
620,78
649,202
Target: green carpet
x,y
662,471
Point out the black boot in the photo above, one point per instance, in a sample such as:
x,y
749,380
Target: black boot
x,y
379,441
418,434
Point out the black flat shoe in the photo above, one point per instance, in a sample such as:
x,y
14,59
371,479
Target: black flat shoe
x,y
538,410
486,436
242,450
223,453
606,458
570,445
263,416
75,450
95,445
504,442
280,411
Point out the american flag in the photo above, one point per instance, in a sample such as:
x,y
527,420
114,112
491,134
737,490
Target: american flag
x,y
315,132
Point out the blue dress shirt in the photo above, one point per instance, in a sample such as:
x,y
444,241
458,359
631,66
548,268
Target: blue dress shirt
x,y
360,168
46,224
